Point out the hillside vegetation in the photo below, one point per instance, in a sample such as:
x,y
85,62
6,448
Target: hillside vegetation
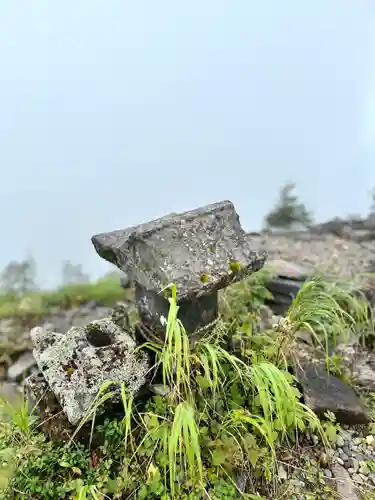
x,y
105,291
228,409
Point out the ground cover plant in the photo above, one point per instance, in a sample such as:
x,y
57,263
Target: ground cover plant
x,y
229,404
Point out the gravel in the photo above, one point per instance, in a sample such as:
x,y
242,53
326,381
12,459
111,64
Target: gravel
x,y
347,468
325,253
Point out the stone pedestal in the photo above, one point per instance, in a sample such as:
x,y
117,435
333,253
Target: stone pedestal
x,y
200,251
194,313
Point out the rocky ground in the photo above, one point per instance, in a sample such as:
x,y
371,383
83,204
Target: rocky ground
x,y
348,468
336,249
324,252
307,471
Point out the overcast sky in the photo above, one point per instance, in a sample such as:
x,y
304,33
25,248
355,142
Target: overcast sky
x,y
117,112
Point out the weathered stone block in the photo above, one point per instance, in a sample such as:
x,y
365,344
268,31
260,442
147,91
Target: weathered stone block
x,y
288,270
76,364
324,392
200,251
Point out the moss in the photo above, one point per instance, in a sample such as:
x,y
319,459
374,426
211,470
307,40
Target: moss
x,y
234,267
204,278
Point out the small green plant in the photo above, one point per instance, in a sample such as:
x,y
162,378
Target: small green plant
x,y
87,492
240,299
331,428
335,366
20,415
319,309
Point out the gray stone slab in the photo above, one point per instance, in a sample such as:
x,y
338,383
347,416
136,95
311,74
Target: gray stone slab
x,y
287,269
289,288
200,251
324,392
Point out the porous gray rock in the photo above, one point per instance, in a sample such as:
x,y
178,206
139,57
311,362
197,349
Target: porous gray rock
x,y
200,251
53,420
76,364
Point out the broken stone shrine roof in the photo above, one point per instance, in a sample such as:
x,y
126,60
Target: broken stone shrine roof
x,y
199,251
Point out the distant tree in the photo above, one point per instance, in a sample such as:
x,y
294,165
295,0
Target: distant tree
x,y
19,277
73,274
288,211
